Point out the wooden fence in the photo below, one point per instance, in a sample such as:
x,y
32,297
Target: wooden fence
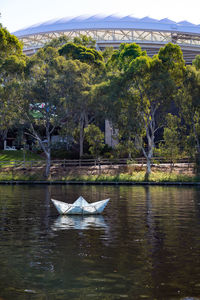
x,y
88,162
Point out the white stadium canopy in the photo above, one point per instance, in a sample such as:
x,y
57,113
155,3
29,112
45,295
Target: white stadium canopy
x,y
150,34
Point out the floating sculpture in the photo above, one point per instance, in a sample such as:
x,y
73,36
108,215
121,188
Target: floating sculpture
x,y
80,207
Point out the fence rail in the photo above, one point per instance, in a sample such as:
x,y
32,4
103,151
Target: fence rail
x,y
89,162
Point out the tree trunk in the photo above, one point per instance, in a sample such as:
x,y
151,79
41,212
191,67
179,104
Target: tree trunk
x,y
46,147
197,157
48,163
148,169
3,136
81,139
48,152
150,133
84,122
196,137
148,155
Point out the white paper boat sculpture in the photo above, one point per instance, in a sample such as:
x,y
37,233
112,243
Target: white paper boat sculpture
x,y
80,207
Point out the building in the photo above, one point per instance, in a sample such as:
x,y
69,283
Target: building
x,y
150,34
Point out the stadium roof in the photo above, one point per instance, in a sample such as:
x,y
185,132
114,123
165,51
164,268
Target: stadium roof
x,y
97,22
112,30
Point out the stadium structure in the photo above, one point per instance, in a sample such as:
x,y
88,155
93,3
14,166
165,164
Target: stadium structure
x,y
150,34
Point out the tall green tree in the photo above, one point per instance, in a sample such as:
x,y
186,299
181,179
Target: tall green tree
x,y
170,147
154,83
189,103
95,139
85,106
12,63
142,93
196,62
49,89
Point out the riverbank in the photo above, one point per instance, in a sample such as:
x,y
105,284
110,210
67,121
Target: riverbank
x,y
47,182
123,178
105,174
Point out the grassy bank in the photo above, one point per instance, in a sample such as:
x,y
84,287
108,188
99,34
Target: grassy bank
x,y
6,155
134,177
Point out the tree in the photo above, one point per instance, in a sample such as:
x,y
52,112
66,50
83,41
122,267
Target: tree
x,y
95,139
189,104
57,42
85,40
12,63
196,62
107,53
85,106
155,83
122,57
142,92
82,53
170,147
49,89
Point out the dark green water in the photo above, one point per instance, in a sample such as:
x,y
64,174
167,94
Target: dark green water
x,y
146,245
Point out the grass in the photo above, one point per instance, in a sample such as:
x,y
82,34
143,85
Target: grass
x,y
6,155
135,177
16,158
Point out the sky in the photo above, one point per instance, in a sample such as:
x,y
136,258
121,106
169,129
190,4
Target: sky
x,y
18,14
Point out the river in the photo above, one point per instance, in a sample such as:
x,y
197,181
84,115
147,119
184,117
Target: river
x,y
146,244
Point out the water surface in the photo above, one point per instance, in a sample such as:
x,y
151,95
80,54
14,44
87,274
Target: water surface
x,y
146,245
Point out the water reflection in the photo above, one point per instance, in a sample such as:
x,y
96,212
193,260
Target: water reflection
x,y
79,222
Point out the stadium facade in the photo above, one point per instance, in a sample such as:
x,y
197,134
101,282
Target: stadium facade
x,y
150,34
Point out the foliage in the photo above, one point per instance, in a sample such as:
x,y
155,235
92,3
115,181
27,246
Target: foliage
x,y
12,64
85,40
95,139
57,42
170,147
189,103
126,148
141,91
107,53
122,57
82,53
196,62
51,85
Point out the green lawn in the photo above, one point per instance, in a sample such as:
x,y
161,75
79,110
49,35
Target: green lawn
x,y
6,155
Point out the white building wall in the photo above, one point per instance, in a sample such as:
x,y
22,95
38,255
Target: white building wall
x,y
110,134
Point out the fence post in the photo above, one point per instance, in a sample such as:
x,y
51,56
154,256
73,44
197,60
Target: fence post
x,y
24,158
99,163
